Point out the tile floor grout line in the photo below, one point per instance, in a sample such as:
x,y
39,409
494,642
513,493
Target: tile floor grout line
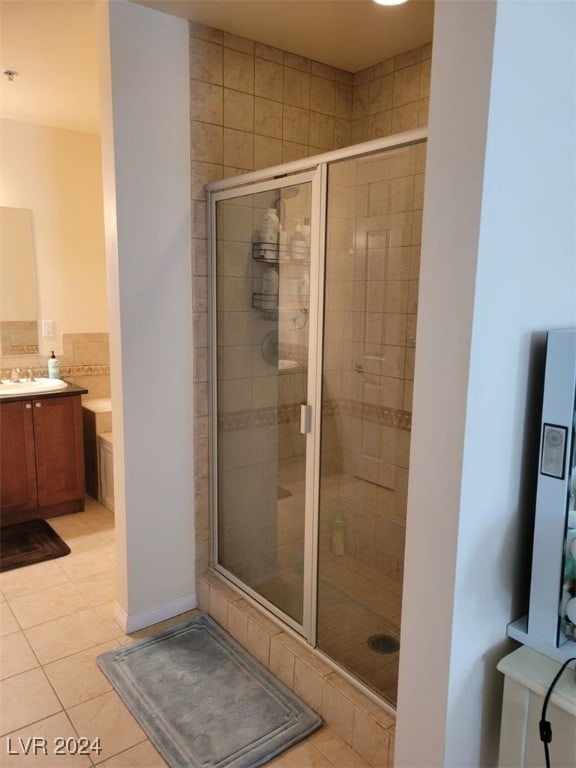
x,y
122,751
308,751
32,722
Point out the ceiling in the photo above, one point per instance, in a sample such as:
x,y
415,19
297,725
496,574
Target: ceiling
x,y
53,44
348,34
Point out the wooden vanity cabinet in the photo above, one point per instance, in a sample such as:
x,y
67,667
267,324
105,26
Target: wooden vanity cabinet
x,y
17,461
42,460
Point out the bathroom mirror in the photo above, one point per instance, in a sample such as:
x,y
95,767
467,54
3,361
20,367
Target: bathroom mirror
x,y
18,318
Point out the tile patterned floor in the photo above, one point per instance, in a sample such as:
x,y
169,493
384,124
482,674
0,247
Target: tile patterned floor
x,y
55,618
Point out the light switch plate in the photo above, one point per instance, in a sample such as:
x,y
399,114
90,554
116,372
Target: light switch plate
x,y
47,328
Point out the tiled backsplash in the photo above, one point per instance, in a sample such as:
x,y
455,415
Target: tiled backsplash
x,y
85,361
18,337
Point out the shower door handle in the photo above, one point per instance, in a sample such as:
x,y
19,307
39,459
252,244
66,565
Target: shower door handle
x,y
305,419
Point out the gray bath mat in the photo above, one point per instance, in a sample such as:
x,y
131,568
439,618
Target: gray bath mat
x,y
203,701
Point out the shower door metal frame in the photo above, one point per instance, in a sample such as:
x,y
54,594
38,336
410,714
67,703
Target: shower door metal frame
x,y
248,183
317,178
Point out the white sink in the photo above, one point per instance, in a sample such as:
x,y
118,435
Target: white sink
x,y
11,388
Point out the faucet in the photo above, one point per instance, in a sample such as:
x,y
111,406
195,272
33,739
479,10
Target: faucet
x,y
30,374
15,375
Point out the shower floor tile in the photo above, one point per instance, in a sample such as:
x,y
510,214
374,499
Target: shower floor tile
x,y
344,627
356,599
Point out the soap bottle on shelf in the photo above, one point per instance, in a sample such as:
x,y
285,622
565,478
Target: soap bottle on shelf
x,y
298,246
269,300
282,240
53,367
306,232
269,226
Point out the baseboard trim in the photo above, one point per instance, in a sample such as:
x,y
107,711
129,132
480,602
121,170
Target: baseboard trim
x,y
135,621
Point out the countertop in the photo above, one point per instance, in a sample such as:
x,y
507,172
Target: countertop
x,y
71,389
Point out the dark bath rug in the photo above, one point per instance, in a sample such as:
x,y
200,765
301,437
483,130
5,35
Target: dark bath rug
x,y
203,701
29,543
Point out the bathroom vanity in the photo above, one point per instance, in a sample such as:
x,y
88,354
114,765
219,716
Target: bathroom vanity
x,y
42,455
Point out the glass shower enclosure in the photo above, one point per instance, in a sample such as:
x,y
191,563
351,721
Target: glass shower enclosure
x,y
263,319
314,304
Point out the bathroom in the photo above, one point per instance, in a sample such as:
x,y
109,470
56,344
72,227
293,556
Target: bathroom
x,y
323,106
51,175
152,331
283,81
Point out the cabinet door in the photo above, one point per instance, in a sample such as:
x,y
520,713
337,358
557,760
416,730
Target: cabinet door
x,y
17,470
59,450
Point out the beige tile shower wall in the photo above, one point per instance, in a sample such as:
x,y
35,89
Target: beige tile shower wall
x,y
339,331
257,423
253,106
374,223
392,96
247,449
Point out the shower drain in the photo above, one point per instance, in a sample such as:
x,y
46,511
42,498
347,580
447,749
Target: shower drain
x,y
383,643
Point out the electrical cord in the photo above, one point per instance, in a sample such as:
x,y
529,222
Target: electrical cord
x,y
545,727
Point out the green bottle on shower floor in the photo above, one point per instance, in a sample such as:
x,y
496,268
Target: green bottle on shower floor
x,y
338,526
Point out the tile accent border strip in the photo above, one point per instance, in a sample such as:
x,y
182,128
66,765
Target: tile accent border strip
x,y
285,414
66,371
22,349
85,370
259,417
379,414
76,370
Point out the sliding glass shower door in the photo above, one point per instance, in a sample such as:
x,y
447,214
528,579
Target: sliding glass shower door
x,y
262,294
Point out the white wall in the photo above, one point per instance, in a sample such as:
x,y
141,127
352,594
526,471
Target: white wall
x,y
56,173
498,263
498,267
146,150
